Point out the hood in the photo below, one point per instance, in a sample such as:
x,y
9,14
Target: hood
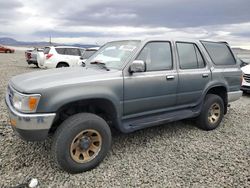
x,y
246,69
36,81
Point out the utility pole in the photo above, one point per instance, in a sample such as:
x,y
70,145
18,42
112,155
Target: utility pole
x,y
50,43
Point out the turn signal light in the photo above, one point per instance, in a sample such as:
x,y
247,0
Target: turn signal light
x,y
33,103
49,56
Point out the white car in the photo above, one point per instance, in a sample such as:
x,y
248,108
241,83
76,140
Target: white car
x,y
246,78
87,53
60,56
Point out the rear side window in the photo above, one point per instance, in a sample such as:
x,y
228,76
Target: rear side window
x,y
189,56
72,51
219,53
46,50
60,50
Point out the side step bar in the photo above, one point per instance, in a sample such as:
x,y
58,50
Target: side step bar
x,y
157,119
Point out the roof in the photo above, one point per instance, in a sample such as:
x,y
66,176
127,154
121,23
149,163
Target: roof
x,y
64,47
171,39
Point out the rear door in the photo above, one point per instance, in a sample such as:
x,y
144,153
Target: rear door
x,y
72,56
194,73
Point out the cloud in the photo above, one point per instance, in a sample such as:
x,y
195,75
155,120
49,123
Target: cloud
x,y
173,14
98,20
8,11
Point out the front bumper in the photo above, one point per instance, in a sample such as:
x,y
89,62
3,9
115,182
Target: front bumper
x,y
30,127
31,62
245,88
234,96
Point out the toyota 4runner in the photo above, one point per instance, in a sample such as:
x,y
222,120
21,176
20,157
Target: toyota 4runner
x,y
127,85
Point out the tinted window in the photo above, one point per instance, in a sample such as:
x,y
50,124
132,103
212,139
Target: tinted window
x,y
46,50
72,51
189,56
219,53
157,56
60,50
201,63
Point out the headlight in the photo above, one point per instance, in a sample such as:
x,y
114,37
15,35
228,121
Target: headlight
x,y
25,103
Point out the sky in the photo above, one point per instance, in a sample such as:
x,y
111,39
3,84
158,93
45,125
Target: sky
x,y
99,21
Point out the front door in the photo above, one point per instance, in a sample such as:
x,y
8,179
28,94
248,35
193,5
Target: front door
x,y
155,89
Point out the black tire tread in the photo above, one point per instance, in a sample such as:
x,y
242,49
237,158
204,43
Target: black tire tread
x,y
62,130
201,120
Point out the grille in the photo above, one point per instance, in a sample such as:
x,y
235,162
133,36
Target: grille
x,y
246,77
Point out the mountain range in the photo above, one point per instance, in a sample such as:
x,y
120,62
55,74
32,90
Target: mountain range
x,y
12,42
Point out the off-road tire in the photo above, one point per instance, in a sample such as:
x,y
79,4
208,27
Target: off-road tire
x,y
65,135
203,119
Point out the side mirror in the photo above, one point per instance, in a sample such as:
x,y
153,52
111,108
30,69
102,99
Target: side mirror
x,y
137,66
81,58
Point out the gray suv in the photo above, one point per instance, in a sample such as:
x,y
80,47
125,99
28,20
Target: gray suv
x,y
126,85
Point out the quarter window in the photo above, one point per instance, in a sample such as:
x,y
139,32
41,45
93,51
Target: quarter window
x,y
157,56
189,56
219,53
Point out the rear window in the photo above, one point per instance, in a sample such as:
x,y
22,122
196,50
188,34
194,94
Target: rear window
x,y
189,56
219,53
46,50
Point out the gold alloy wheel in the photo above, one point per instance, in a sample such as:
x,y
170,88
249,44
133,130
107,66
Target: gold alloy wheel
x,y
85,146
214,113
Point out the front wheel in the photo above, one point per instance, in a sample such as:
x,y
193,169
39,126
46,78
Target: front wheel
x,y
212,112
81,142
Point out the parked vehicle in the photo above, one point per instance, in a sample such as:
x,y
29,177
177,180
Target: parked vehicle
x,y
127,85
59,56
246,78
31,56
87,53
243,63
6,49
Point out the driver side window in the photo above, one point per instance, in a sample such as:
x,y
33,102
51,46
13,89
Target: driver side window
x,y
157,56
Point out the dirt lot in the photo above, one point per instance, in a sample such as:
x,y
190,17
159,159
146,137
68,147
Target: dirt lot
x,y
174,155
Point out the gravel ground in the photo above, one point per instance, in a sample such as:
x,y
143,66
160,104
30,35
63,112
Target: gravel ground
x,y
175,155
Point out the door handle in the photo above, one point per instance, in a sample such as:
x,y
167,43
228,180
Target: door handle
x,y
204,75
170,77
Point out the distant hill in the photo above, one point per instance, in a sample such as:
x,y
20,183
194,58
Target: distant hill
x,y
243,54
12,42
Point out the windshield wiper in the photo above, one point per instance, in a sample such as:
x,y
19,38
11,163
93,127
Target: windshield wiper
x,y
101,64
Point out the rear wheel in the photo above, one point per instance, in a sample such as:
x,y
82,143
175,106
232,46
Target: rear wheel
x,y
60,65
81,142
212,112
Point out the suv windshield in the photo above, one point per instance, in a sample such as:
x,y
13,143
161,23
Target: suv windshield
x,y
114,54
